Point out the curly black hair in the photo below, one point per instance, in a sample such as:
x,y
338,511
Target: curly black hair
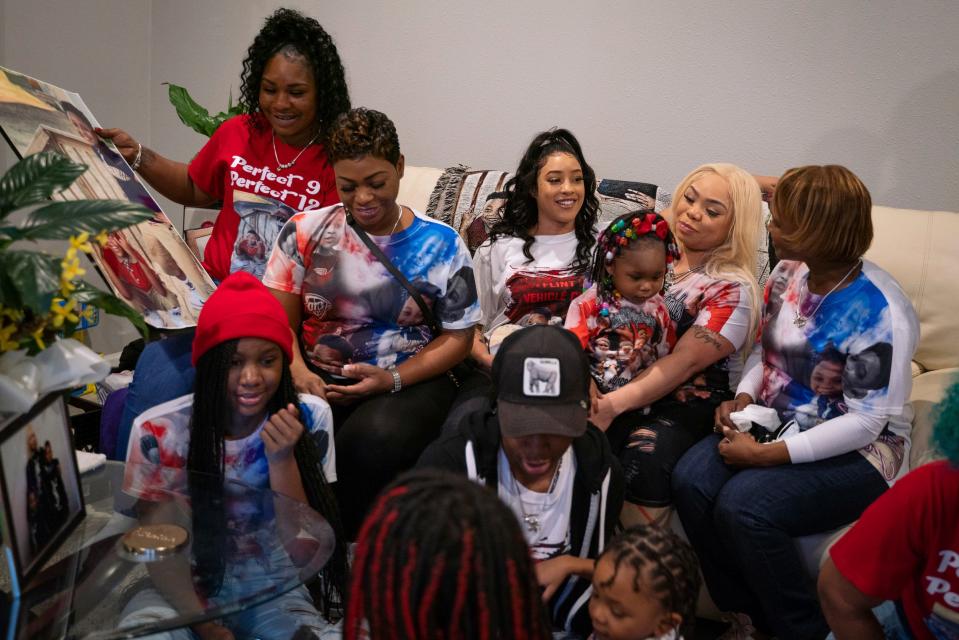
x,y
363,132
291,32
521,214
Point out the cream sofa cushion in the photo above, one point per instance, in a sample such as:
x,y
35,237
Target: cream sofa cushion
x,y
921,250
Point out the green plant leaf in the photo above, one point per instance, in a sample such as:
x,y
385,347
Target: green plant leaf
x,y
189,111
34,179
31,276
60,220
109,303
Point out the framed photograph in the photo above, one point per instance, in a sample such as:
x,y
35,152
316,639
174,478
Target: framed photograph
x,y
42,499
148,265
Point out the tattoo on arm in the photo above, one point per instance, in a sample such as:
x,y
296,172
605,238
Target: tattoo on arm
x,y
707,336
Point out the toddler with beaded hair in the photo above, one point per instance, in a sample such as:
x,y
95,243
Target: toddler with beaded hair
x,y
645,585
621,320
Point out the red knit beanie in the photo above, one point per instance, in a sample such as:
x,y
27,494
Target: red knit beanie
x,y
241,307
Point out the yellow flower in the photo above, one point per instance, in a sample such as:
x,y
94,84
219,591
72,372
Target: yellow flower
x,y
80,242
101,238
61,310
71,269
6,333
38,337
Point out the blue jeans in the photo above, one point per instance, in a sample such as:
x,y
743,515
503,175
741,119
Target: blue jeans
x,y
742,524
163,372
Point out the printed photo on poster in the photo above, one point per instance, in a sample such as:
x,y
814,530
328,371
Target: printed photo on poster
x,y
41,484
149,265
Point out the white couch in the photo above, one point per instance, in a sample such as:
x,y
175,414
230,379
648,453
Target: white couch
x,y
921,250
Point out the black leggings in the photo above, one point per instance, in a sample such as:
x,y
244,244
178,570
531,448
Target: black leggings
x,y
649,445
382,436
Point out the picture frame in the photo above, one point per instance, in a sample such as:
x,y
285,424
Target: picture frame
x,y
42,495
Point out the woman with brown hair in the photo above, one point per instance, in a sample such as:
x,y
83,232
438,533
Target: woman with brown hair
x,y
742,502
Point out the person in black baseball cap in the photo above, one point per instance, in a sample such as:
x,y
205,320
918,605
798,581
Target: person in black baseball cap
x,y
534,446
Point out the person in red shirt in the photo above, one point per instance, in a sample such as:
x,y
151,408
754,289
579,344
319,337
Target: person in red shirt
x,y
293,88
904,549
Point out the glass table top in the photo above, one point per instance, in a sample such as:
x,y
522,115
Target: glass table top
x,y
244,547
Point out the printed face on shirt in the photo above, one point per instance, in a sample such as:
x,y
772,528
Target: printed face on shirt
x,y
560,192
638,272
288,98
368,187
826,379
867,370
253,379
533,459
704,213
621,612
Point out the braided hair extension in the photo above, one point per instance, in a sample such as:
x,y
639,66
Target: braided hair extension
x,y
945,432
208,424
520,213
439,556
622,233
291,32
662,562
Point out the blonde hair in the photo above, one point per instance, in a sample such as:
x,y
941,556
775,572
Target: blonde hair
x,y
830,210
734,259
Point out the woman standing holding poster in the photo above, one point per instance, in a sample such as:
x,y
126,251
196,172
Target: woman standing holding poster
x,y
293,87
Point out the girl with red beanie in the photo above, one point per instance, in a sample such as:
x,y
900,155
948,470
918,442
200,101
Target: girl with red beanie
x,y
244,422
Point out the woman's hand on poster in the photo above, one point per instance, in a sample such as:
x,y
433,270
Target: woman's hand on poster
x,y
281,433
373,381
722,419
124,143
642,199
305,381
740,449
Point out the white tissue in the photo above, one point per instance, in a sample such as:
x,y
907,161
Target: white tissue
x,y
764,416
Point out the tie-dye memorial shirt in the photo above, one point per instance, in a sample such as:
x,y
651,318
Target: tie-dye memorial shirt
x,y
354,310
698,301
161,436
622,344
852,355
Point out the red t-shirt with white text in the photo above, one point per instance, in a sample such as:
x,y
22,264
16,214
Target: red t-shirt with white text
x,y
238,166
905,547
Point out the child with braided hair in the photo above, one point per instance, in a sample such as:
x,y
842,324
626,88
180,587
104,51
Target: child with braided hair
x,y
244,422
439,556
621,320
645,586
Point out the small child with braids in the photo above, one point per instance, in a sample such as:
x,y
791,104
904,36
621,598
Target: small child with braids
x,y
621,320
645,585
244,422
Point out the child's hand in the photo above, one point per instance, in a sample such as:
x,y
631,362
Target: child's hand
x,y
281,433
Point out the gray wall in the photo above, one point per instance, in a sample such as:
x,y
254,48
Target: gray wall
x,y
650,88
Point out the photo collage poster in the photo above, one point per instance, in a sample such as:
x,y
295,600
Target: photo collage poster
x,y
148,265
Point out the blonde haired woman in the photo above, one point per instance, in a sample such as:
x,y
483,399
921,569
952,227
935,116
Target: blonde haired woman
x,y
713,303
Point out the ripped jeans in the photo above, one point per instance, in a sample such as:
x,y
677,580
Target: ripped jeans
x,y
649,445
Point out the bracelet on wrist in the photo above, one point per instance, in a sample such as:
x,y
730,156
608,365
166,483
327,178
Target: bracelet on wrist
x,y
397,380
135,165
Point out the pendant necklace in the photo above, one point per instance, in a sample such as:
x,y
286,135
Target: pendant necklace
x,y
531,520
280,166
801,319
673,277
398,217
